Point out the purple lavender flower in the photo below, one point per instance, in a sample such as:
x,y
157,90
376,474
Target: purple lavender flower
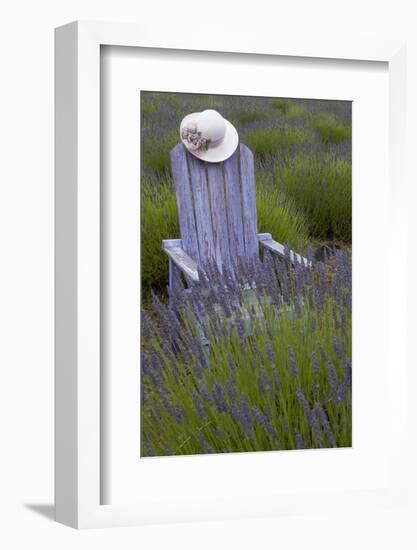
x,y
318,299
260,386
277,379
336,319
315,363
345,387
293,364
241,329
343,321
231,388
325,424
148,448
323,353
204,392
199,406
338,348
266,381
270,352
297,307
231,365
334,382
166,403
246,418
311,417
178,414
264,422
299,444
219,398
204,443
235,412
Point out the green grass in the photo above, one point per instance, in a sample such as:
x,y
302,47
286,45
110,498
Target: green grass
x,y
159,220
155,153
278,214
321,187
295,112
270,141
281,105
147,108
329,129
249,116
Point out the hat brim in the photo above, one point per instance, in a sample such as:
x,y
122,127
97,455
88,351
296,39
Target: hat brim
x,y
216,153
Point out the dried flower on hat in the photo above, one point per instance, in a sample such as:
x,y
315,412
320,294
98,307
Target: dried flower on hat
x,y
196,142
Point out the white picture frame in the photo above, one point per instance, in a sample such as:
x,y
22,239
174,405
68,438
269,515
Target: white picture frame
x,y
78,449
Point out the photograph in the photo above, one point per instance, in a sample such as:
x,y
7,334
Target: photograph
x,y
246,274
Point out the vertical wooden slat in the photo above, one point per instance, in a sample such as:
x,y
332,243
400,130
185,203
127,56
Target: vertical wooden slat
x,y
202,208
218,214
174,278
233,208
216,206
250,228
185,205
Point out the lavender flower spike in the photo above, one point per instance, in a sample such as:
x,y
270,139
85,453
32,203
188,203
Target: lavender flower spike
x,y
199,406
315,362
324,421
293,364
264,422
245,417
311,417
219,398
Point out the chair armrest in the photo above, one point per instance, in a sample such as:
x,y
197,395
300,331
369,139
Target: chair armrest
x,y
173,248
267,241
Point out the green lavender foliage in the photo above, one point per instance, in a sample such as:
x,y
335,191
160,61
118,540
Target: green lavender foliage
x,y
321,186
330,129
272,141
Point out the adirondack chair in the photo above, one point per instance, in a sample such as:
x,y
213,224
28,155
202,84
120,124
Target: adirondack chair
x,y
217,216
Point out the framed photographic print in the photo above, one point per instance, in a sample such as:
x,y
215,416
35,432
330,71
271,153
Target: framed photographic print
x,y
234,359
228,333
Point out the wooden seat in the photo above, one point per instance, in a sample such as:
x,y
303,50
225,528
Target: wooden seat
x,y
217,216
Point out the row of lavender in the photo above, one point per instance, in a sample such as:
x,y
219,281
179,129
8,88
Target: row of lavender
x,y
232,366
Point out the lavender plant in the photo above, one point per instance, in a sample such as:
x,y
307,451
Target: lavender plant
x,y
256,358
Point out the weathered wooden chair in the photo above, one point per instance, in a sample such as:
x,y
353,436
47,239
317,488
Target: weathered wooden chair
x,y
217,216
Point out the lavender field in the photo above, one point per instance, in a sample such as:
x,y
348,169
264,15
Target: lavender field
x,y
270,368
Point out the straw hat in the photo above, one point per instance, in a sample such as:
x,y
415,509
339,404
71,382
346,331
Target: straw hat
x,y
209,136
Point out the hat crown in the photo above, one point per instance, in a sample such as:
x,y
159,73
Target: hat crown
x,y
208,136
211,125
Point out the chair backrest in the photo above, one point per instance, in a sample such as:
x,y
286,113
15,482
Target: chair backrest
x,y
216,206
